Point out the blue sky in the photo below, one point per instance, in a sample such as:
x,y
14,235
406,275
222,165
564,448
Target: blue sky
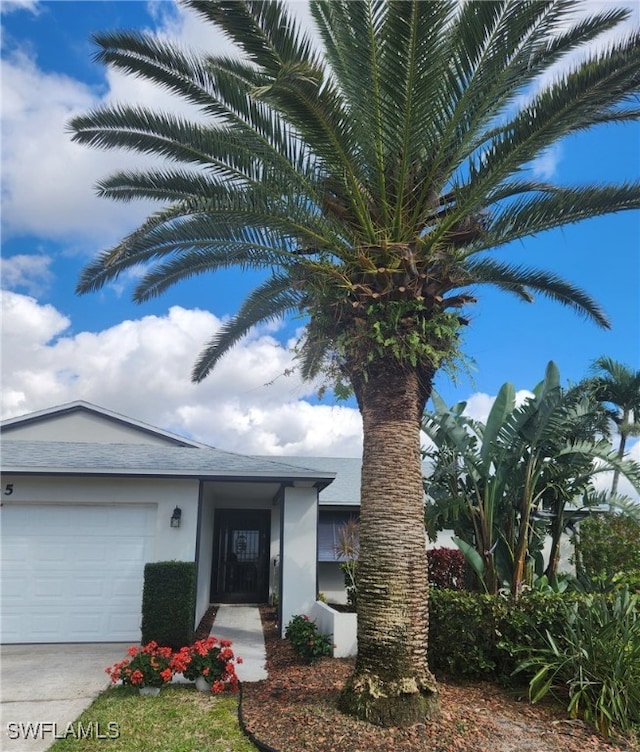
x,y
136,359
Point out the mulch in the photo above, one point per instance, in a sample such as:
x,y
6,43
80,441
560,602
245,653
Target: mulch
x,y
294,710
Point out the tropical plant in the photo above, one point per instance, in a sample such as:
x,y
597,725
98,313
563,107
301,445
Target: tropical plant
x,y
596,658
210,658
367,179
506,484
618,387
146,666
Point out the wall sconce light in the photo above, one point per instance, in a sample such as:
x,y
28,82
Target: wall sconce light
x,y
176,517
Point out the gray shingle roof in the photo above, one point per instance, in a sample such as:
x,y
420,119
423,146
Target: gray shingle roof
x,y
345,489
65,458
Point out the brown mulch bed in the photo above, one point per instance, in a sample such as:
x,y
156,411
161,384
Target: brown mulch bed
x,y
294,711
203,629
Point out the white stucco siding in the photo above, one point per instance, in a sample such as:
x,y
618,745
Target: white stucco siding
x,y
238,496
82,427
298,551
205,559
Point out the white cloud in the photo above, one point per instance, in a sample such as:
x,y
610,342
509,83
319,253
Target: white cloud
x,y
9,6
26,272
42,168
546,165
141,368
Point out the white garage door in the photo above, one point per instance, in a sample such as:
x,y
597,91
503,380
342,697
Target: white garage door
x,y
74,573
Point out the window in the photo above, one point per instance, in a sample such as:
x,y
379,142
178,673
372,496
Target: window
x,y
329,524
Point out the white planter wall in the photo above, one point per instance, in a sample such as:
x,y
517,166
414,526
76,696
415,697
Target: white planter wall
x,y
342,626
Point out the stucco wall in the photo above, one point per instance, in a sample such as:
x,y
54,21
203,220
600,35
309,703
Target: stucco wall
x,y
298,551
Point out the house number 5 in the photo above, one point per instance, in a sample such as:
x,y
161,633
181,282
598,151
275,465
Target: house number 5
x,y
8,489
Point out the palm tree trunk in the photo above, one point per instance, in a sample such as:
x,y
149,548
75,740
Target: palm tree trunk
x,y
623,441
556,534
392,684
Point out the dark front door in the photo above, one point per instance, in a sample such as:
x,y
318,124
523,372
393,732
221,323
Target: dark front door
x,y
241,556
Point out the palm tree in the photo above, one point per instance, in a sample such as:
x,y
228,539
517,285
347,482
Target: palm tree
x,y
617,385
369,180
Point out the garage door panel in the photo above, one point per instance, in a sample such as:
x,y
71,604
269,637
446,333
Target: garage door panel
x,y
43,625
86,585
85,624
90,587
122,624
90,552
49,588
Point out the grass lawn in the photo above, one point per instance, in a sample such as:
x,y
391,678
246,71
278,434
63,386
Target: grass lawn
x,y
179,719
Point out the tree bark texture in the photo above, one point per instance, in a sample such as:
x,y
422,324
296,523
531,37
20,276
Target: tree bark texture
x,y
392,684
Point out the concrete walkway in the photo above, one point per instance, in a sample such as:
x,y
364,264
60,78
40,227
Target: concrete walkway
x,y
242,625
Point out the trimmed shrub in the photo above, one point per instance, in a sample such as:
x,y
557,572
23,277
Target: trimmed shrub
x,y
608,550
446,568
479,636
168,603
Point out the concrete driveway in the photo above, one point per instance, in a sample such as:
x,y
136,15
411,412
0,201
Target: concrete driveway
x,y
50,685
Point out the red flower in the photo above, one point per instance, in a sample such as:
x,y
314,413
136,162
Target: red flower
x,y
137,677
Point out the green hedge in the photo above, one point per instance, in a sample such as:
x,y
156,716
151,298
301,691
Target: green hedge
x,y
608,550
477,636
168,603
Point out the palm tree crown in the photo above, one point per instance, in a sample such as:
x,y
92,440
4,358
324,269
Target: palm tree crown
x,y
617,386
369,179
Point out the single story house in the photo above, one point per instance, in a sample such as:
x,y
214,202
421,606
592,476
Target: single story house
x,y
90,496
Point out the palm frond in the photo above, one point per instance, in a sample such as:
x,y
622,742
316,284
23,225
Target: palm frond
x,y
273,299
530,215
521,279
263,31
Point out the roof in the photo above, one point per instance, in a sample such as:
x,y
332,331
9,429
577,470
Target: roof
x,y
79,406
345,489
72,458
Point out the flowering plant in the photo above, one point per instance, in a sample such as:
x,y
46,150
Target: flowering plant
x,y
211,658
305,639
147,666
